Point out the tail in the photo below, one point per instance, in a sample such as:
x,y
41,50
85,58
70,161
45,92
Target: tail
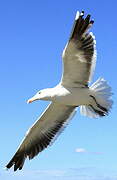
x,y
101,102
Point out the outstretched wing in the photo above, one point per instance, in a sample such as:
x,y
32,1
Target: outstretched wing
x,y
79,55
42,133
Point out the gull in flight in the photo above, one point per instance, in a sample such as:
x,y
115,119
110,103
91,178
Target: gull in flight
x,y
79,59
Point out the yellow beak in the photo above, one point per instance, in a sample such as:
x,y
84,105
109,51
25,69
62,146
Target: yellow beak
x,y
31,100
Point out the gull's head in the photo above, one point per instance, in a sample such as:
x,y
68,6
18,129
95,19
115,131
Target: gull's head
x,y
44,94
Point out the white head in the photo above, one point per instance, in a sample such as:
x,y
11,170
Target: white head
x,y
44,94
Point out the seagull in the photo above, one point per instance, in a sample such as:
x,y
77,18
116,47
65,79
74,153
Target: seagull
x,y
73,91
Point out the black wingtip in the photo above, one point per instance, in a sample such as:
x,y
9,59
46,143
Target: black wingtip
x,y
82,13
20,168
92,21
9,165
88,16
17,161
15,168
81,25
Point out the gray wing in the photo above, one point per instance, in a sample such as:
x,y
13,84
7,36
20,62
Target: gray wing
x,y
42,133
79,55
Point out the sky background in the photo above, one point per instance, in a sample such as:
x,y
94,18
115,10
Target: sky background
x,y
33,34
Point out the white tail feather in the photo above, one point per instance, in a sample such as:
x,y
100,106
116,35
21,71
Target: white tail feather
x,y
101,104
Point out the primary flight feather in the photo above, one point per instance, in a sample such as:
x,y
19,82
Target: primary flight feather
x,y
79,58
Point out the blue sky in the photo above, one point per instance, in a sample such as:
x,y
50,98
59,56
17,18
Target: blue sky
x,y
32,36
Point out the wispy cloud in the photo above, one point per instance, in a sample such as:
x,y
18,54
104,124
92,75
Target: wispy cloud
x,y
81,173
82,150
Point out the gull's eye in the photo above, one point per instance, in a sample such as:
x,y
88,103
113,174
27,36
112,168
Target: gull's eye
x,y
39,92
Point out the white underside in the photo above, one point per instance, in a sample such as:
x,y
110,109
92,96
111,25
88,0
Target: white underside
x,y
81,97
71,96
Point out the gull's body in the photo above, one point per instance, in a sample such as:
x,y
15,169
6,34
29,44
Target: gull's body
x,y
72,96
79,58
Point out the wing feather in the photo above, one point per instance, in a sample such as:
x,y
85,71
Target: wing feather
x,y
42,133
79,55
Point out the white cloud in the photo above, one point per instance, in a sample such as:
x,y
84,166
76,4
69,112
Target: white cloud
x,y
82,150
81,173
